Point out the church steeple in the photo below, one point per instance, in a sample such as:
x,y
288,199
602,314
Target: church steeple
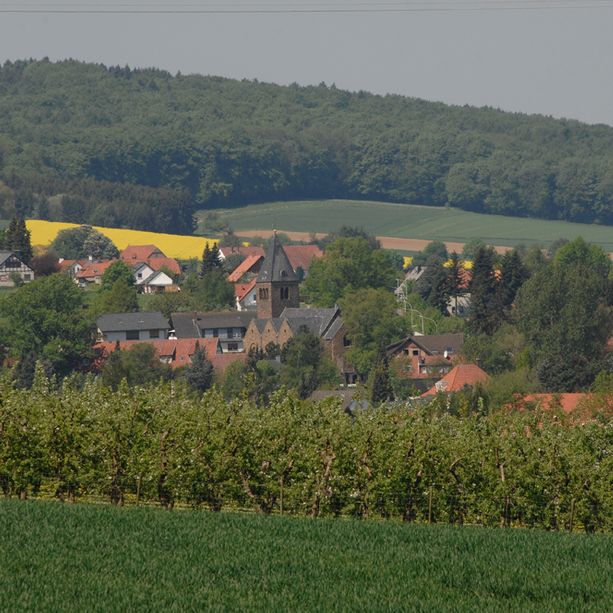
x,y
277,283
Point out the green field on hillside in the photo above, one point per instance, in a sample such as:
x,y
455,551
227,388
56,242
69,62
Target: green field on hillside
x,y
410,221
59,557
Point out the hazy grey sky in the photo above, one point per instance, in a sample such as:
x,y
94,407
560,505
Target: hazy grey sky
x,y
555,62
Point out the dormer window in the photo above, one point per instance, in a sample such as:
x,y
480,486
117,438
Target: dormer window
x,y
283,273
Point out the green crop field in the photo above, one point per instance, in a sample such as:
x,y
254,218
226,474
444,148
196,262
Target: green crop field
x,y
409,221
56,557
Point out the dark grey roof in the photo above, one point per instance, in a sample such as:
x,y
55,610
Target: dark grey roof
x,y
332,331
316,320
261,324
115,322
276,266
312,324
190,325
184,325
434,344
5,255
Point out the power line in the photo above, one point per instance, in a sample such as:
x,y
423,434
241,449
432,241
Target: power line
x,y
230,8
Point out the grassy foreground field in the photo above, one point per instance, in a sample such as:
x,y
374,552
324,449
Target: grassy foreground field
x,y
61,557
410,221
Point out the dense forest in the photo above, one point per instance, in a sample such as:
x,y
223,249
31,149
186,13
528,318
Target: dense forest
x,y
145,149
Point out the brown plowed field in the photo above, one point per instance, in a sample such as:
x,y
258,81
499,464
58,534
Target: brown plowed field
x,y
387,242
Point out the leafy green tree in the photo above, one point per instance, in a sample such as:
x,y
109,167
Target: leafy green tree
x,y
564,315
471,247
212,291
211,260
372,323
47,318
580,253
304,364
513,275
435,285
380,382
83,242
45,264
234,380
121,297
113,372
199,374
348,264
117,271
23,372
485,315
17,238
139,365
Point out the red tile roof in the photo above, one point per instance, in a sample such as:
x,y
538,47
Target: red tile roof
x,y
221,361
242,289
302,256
66,264
567,402
157,263
94,269
244,251
244,267
139,253
457,378
179,350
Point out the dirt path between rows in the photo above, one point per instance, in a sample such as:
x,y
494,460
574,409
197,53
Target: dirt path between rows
x,y
387,242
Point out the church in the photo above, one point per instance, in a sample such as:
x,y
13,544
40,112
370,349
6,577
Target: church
x,y
280,317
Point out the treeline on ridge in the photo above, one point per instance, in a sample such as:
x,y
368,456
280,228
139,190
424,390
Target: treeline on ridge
x,y
227,142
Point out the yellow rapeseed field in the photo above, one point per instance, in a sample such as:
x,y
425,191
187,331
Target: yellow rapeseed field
x,y
173,245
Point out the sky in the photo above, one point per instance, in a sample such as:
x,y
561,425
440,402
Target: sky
x,y
555,62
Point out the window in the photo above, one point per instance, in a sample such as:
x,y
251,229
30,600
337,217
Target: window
x,y
232,346
154,334
283,273
346,342
285,293
263,293
415,351
27,277
132,335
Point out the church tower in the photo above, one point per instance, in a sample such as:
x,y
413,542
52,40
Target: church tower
x,y
277,283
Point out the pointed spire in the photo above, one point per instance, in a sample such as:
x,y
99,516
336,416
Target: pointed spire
x,y
276,266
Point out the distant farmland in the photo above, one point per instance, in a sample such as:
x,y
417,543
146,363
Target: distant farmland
x,y
173,245
62,557
409,221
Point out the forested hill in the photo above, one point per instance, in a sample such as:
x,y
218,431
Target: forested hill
x,y
144,149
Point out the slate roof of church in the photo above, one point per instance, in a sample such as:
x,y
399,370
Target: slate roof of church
x,y
276,266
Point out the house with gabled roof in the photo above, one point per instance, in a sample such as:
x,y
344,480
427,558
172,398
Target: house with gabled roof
x,y
227,326
92,272
425,356
140,253
11,265
245,295
249,266
132,326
